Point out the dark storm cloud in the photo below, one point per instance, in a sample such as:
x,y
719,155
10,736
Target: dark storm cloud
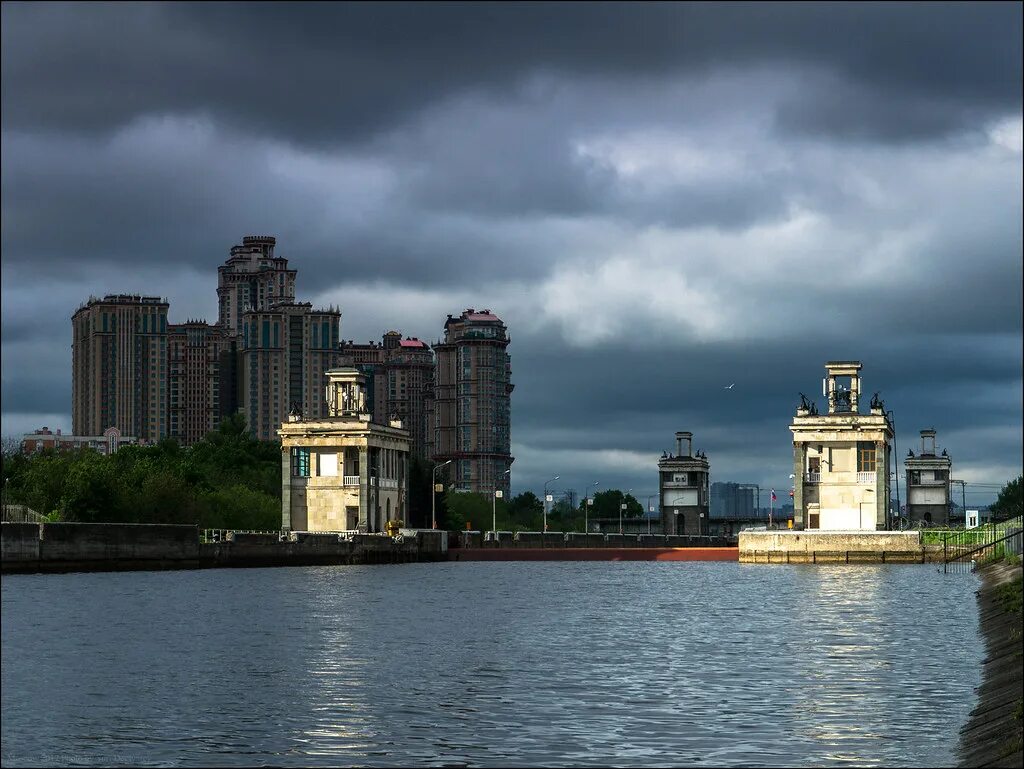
x,y
323,72
659,199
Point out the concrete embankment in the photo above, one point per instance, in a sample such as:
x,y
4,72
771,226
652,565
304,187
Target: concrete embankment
x,y
992,736
558,546
595,554
835,547
62,547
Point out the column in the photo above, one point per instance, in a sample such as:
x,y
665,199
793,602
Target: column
x,y
364,488
881,486
286,488
799,470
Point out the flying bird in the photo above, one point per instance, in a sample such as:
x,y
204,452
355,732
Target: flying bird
x,y
730,386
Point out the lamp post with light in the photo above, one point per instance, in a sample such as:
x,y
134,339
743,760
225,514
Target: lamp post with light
x,y
650,509
494,507
622,506
433,495
586,508
546,500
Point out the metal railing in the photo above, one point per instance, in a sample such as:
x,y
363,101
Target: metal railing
x,y
207,536
22,514
964,549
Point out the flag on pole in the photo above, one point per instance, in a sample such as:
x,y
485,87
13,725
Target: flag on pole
x,y
773,495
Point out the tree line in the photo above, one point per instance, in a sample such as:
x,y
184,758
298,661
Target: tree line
x,y
230,480
227,480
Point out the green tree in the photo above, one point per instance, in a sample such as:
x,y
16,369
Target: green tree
x,y
525,512
607,505
1010,501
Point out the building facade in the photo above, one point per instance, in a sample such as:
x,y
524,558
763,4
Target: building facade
x,y
841,459
265,355
106,444
252,278
343,471
472,402
683,489
400,382
195,351
286,350
928,484
119,366
733,500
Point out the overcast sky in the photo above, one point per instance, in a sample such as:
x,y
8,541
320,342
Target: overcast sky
x,y
659,201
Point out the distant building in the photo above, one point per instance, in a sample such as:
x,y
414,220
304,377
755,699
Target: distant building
x,y
733,500
286,350
683,485
400,382
343,471
472,402
195,404
928,484
266,356
252,278
119,366
841,459
106,444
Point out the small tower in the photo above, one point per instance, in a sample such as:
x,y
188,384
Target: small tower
x,y
346,394
841,458
343,472
683,483
928,484
842,386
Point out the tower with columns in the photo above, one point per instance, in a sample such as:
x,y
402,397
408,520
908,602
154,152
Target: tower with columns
x,y
343,472
683,485
841,458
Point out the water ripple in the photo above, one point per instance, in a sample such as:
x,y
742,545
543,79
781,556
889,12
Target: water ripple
x,y
501,664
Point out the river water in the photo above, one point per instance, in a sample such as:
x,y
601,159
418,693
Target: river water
x,y
490,664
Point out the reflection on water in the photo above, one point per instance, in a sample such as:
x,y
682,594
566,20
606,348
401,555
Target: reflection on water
x,y
490,664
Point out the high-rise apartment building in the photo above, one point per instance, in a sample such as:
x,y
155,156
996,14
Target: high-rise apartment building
x,y
195,352
252,278
286,350
472,401
265,357
119,366
399,376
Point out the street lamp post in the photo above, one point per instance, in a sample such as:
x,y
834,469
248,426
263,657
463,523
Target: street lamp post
x,y
433,495
622,506
586,509
650,509
546,500
494,507
895,457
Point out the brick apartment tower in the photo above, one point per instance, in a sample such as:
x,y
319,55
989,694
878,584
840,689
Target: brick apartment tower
x,y
399,382
119,366
472,402
195,353
266,355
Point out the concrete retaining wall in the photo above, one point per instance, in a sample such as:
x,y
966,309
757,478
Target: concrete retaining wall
x,y
110,547
528,539
831,547
499,539
20,542
117,541
584,540
652,540
830,541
